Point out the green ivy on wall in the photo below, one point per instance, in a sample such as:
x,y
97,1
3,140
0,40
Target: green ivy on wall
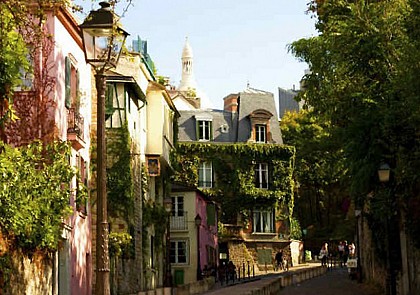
x,y
120,185
155,215
234,165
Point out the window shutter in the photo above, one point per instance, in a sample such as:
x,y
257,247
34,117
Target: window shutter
x,y
67,82
211,212
78,90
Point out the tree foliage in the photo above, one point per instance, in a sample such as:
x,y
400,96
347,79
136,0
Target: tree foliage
x,y
364,80
35,193
320,173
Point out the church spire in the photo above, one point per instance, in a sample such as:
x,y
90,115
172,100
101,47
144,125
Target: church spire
x,y
187,80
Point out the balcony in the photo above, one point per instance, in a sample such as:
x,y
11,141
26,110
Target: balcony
x,y
179,223
75,129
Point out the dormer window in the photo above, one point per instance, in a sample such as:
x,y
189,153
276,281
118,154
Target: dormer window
x,y
260,133
260,126
204,128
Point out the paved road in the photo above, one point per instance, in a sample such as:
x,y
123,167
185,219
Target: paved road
x,y
335,282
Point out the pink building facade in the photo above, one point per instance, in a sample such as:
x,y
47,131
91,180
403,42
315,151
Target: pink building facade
x,y
54,104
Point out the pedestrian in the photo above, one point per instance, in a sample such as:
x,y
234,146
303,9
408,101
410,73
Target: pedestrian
x,y
279,259
341,252
231,269
323,254
346,253
352,250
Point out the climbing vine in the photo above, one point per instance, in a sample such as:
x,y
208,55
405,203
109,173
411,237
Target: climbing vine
x,y
154,214
120,184
35,193
234,166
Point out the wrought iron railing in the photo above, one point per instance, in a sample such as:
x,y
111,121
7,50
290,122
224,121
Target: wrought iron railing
x,y
179,221
75,122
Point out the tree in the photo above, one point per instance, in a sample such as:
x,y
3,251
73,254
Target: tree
x,y
320,173
363,79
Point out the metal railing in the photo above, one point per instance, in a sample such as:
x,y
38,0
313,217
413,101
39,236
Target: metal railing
x,y
75,122
179,222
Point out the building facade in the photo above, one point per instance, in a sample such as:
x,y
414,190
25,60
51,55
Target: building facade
x,y
52,104
236,156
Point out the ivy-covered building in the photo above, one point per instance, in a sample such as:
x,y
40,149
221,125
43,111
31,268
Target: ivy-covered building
x,y
140,120
237,158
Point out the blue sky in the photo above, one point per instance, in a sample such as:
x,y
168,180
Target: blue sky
x,y
234,41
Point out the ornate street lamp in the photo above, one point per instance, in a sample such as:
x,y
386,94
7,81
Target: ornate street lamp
x,y
197,221
103,40
167,203
384,172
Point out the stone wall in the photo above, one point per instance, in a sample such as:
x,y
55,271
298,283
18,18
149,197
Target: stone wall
x,y
24,274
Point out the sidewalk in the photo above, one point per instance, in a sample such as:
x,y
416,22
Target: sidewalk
x,y
257,283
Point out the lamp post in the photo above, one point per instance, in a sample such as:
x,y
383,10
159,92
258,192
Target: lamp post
x,y
358,214
384,176
197,221
103,40
167,203
304,232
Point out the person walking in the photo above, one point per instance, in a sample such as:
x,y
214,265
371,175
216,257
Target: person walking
x,y
341,252
323,254
279,259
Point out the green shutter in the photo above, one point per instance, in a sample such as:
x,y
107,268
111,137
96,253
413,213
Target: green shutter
x,y
211,130
67,82
78,90
211,212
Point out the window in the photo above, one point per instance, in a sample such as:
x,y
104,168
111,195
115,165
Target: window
x,y
81,203
179,216
71,84
114,105
179,251
177,206
260,133
204,130
263,221
260,122
261,175
205,176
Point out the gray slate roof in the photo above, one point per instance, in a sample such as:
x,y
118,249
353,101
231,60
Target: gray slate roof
x,y
238,124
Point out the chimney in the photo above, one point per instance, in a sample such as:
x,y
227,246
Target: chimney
x,y
231,103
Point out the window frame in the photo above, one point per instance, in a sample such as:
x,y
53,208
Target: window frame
x,y
260,131
177,202
206,181
261,171
174,259
204,130
259,215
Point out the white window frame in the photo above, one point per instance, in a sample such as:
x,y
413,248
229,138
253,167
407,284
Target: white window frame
x,y
178,206
177,249
261,172
205,175
260,133
204,130
263,221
